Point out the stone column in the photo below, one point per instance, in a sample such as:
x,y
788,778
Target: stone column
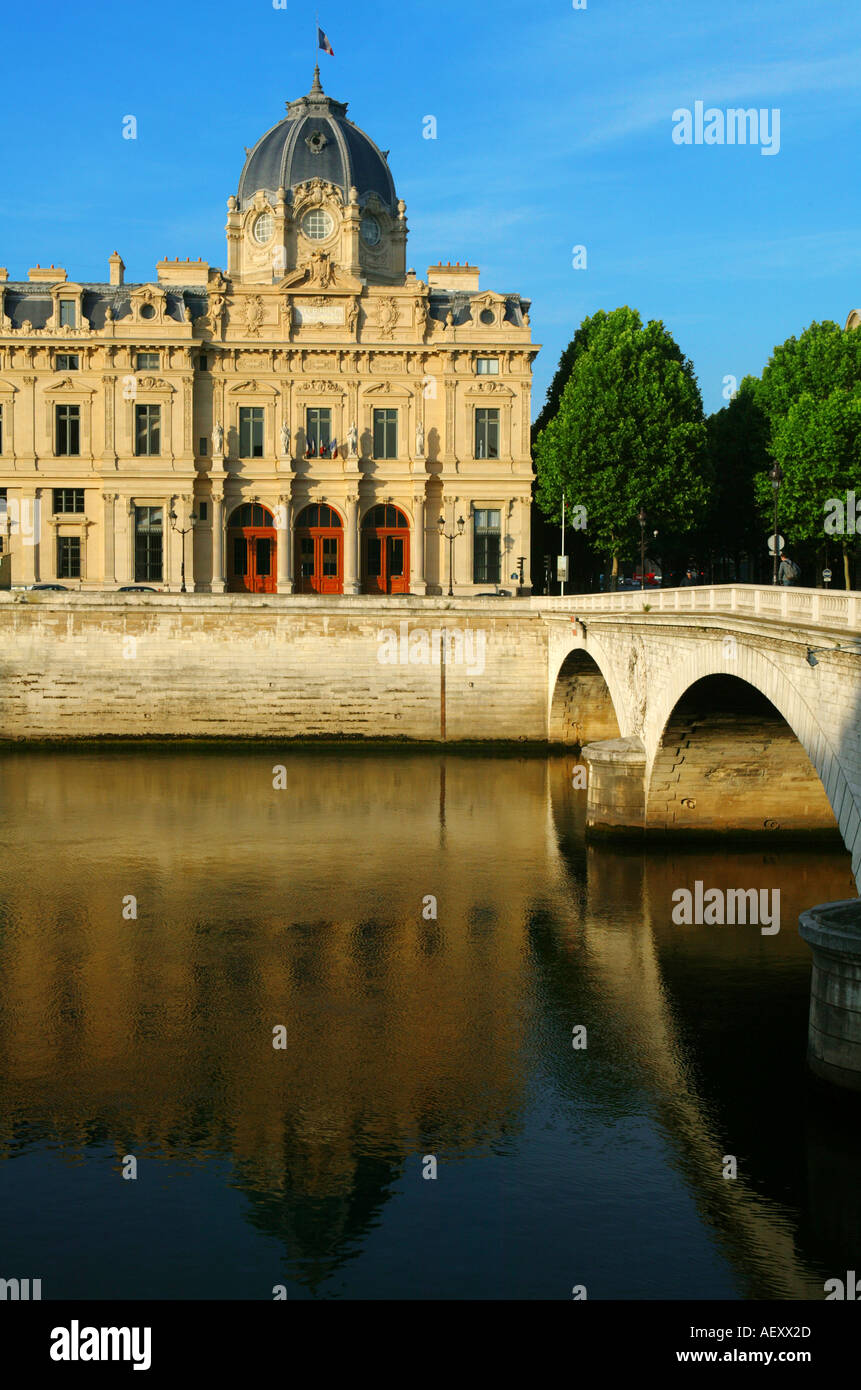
x,y
352,584
418,584
615,796
110,574
27,529
217,542
283,523
833,931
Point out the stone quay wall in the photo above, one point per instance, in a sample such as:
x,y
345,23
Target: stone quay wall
x,y
85,666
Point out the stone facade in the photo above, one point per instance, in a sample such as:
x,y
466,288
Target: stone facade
x,y
317,372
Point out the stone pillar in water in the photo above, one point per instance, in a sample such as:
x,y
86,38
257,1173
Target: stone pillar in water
x,y
833,931
615,792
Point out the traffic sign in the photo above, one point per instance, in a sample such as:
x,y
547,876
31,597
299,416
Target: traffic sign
x,y
780,543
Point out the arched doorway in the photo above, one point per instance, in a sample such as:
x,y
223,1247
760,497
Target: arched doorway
x,y
319,567
385,551
251,546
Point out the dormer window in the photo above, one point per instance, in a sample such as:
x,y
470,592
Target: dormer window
x,y
370,231
263,228
68,313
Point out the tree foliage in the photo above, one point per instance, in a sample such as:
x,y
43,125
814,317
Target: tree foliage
x,y
628,432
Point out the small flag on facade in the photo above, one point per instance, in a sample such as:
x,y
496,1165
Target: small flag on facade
x,y
323,42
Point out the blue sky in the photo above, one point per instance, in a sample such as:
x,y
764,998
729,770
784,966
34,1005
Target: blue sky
x,y
554,130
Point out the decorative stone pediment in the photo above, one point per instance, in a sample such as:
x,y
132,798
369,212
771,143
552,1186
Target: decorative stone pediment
x,y
319,269
68,384
7,389
154,386
253,387
320,387
496,389
389,389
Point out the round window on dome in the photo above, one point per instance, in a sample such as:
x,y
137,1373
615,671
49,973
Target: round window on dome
x,y
263,228
317,225
370,231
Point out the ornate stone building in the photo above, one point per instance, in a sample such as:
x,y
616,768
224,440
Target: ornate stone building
x,y
298,423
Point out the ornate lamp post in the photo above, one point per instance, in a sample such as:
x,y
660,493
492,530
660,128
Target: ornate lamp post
x,y
776,478
182,531
451,540
641,517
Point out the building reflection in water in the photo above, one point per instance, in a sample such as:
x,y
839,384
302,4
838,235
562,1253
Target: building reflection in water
x,y
405,1034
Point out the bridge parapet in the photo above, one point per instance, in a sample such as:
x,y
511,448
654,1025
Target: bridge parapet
x,y
814,607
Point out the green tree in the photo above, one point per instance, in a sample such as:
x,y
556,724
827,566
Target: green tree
x,y
628,432
738,450
822,360
818,447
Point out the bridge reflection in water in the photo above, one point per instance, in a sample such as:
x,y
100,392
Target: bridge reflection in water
x,y
405,1036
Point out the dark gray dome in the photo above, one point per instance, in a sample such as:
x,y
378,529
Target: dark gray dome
x,y
316,141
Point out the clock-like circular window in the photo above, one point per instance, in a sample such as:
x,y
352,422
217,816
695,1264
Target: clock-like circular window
x,y
263,228
487,316
370,231
147,311
317,225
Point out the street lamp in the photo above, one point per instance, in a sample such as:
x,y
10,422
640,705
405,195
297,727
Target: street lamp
x,y
641,517
182,531
776,478
451,540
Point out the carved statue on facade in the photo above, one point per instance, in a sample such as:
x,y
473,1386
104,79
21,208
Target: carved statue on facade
x,y
421,318
217,438
353,440
285,439
420,439
353,315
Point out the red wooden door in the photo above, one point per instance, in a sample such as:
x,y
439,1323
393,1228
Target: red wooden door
x,y
251,551
319,565
386,551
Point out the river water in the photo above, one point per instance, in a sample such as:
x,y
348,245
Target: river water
x,y
423,934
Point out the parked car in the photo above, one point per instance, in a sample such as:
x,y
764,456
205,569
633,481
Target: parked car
x,y
54,588
137,589
496,593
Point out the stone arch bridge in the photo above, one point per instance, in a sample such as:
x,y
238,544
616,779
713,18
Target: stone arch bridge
x,y
712,710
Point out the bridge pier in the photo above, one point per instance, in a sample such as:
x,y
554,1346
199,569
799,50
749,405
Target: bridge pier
x,y
833,931
615,793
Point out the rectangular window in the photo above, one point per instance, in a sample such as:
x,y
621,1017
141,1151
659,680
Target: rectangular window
x,y
375,557
148,544
203,362
486,433
487,547
251,431
67,362
330,555
68,557
68,429
306,557
147,429
318,430
385,434
202,510
68,499
68,313
487,366
148,361
204,446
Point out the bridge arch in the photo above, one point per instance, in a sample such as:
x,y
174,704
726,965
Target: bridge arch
x,y
582,706
718,715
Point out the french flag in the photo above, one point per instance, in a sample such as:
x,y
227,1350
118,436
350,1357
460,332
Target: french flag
x,y
323,42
